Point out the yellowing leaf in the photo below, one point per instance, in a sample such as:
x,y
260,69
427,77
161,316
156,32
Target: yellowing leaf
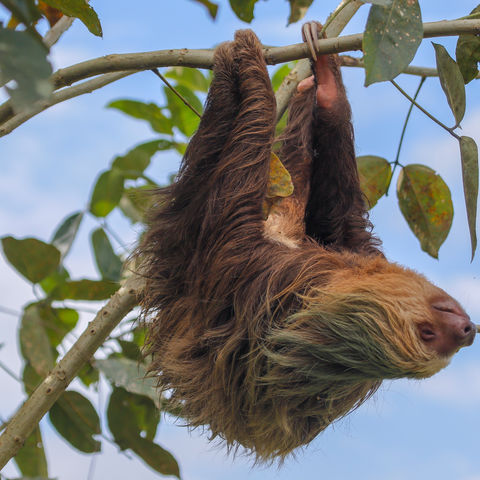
x,y
280,182
374,173
426,204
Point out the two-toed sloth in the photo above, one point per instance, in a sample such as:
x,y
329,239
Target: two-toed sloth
x,y
268,331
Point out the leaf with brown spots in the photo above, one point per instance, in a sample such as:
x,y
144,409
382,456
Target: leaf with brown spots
x,y
425,202
391,39
452,83
469,154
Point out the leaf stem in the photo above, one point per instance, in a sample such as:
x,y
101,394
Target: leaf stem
x,y
396,162
181,97
429,115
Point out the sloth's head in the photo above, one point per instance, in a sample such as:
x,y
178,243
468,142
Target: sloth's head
x,y
377,323
372,322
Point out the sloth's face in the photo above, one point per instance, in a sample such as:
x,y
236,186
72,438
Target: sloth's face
x,y
449,328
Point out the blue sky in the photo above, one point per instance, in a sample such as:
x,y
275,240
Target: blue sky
x,y
414,430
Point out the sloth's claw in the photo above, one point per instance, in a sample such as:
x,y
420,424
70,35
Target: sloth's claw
x,y
308,38
310,31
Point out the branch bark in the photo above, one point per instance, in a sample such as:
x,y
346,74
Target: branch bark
x,y
203,58
52,36
66,94
46,394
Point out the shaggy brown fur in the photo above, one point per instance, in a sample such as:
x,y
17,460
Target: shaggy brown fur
x,y
267,336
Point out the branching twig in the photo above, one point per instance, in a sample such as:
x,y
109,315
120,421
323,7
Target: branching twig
x,y
428,114
402,136
42,399
349,61
181,97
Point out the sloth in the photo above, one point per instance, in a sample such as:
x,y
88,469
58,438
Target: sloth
x,y
267,331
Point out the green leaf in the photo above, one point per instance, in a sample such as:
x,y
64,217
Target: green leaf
x,y
129,415
131,350
191,78
81,10
392,36
298,9
243,9
34,341
156,457
24,11
31,379
210,6
182,116
181,147
150,112
31,257
136,202
134,162
57,322
75,418
55,279
130,375
469,154
30,459
279,75
88,374
23,58
468,55
374,173
66,232
426,204
106,193
108,263
468,51
452,83
90,290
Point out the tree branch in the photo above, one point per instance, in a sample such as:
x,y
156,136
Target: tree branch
x,y
46,394
348,61
52,36
203,58
60,96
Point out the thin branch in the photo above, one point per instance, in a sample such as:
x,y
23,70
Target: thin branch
x,y
53,35
349,61
42,399
10,372
181,97
9,311
60,96
428,114
402,136
204,59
